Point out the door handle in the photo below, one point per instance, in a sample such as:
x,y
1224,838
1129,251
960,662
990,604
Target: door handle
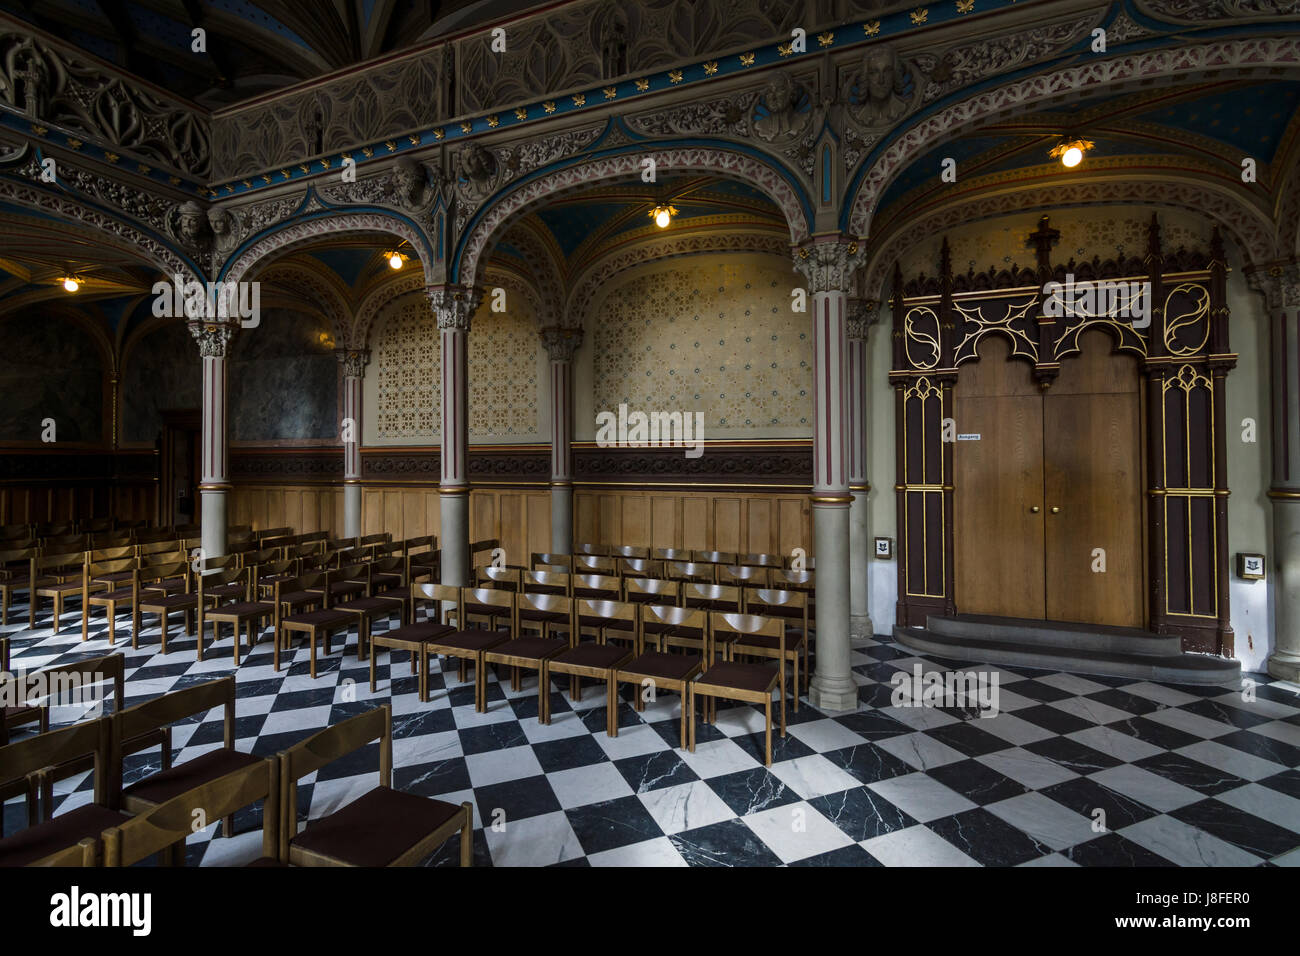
x,y
1055,510
1034,510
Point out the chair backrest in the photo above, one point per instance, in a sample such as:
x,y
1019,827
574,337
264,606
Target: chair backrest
x,y
220,562
628,551
602,586
715,597
742,575
299,549
58,748
547,582
112,542
670,554
373,539
714,557
157,546
231,575
95,525
53,561
491,597
591,549
391,564
640,568
81,854
163,711
95,568
287,586
748,625
429,541
259,558
97,670
652,590
17,556
508,578
439,593
762,560
264,533
674,620
344,557
352,572
157,572
608,611
551,560
793,580
548,603
775,597
594,564
324,747
689,571
173,820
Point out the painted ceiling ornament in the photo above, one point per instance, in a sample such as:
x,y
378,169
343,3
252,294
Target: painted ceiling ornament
x,y
781,101
880,92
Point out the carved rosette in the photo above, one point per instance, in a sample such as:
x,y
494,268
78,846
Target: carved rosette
x,y
828,265
454,305
353,361
214,339
561,344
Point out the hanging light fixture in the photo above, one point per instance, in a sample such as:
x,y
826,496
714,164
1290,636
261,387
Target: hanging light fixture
x,y
663,215
71,284
395,260
1070,151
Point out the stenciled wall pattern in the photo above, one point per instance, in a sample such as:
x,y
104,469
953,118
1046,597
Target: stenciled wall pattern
x,y
404,378
713,334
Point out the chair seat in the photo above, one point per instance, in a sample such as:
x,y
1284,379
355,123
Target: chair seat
x,y
301,597
661,666
423,633
170,602
267,580
591,655
117,596
241,611
224,590
532,614
736,675
347,587
474,639
325,617
367,607
529,648
589,620
63,587
385,578
65,830
113,578
767,643
162,786
486,610
165,586
394,595
375,829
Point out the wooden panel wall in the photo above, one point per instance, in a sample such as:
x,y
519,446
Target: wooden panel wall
x,y
751,522
304,508
46,502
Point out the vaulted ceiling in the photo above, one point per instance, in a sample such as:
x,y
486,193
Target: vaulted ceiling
x,y
252,46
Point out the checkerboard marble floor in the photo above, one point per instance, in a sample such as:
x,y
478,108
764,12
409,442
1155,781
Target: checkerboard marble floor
x,y
1071,771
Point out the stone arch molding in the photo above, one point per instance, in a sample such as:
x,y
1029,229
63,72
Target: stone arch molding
x,y
328,225
366,313
1260,55
1248,227
320,290
763,174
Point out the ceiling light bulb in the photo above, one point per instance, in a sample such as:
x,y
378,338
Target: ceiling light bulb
x,y
70,284
395,260
1072,157
662,217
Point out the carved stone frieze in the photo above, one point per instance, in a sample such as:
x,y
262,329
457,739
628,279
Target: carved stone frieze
x,y
828,266
454,305
213,338
561,344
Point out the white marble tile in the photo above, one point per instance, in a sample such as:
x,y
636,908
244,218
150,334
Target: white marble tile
x,y
813,776
824,735
1234,761
595,783
1266,803
920,797
718,757
1027,768
1147,788
1185,845
1045,820
630,742
1110,741
1190,723
1013,729
533,841
796,832
686,806
915,846
499,766
657,852
1093,711
920,750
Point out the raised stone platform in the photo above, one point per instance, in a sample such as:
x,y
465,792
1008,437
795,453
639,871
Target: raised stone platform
x,y
1073,648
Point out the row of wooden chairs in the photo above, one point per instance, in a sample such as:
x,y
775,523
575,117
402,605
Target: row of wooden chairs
x,y
699,556
155,815
739,574
686,646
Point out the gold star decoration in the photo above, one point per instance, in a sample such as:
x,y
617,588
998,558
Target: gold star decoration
x,y
74,144
414,138
785,49
674,76
143,168
919,16
871,28
493,122
711,67
439,133
549,106
521,113
466,127
390,146
746,59
112,157
610,92
367,151
825,39
579,99
642,85
965,6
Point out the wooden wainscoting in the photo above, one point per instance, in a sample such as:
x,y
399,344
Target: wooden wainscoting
x,y
750,522
305,508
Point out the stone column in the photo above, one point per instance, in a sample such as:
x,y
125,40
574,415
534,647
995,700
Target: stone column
x,y
353,362
214,346
560,345
454,306
828,263
861,314
1280,284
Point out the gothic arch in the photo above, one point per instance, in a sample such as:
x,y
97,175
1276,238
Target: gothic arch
x,y
1263,56
1249,228
778,183
320,288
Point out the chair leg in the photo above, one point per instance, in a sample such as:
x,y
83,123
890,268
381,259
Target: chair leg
x,y
796,683
424,671
467,836
767,713
311,639
543,683
372,668
688,713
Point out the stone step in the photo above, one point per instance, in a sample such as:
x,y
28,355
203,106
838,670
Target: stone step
x,y
1056,634
1198,669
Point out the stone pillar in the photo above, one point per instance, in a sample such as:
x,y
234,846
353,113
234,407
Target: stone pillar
x,y
353,362
1281,287
560,345
454,306
860,317
214,346
828,263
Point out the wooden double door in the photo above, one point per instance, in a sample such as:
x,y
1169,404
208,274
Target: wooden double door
x,y
1049,483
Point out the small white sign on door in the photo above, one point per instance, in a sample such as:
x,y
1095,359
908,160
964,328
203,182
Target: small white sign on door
x,y
969,436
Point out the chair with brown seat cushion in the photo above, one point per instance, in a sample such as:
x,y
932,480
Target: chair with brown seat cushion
x,y
214,590
713,557
652,591
597,587
242,614
595,564
365,611
660,670
153,598
15,575
57,575
548,582
388,583
384,827
705,597
349,581
792,607
549,561
161,712
740,680
545,611
119,594
492,613
166,826
598,659
319,623
38,759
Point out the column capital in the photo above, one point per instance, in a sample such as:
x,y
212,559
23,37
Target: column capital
x,y
828,262
862,315
560,344
213,337
1279,282
354,361
454,305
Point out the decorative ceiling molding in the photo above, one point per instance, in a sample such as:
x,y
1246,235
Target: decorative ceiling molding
x,y
1274,57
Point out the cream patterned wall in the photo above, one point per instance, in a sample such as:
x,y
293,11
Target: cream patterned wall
x,y
714,334
403,390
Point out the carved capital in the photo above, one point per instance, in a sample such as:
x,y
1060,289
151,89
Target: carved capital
x,y
1280,284
213,338
354,361
454,305
863,314
560,344
829,264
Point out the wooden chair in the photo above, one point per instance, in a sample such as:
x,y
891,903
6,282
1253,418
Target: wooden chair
x,y
388,583
740,680
365,611
374,543
318,624
504,579
660,670
530,652
148,600
761,560
548,582
165,828
268,573
599,587
234,587
423,564
38,760
706,597
160,713
742,576
670,554
792,607
611,619
689,571
640,568
412,637
601,549
483,603
551,561
97,591
103,555
628,551
15,575
21,712
54,574
384,827
652,591
242,615
591,659
348,581
594,564
713,557
231,587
